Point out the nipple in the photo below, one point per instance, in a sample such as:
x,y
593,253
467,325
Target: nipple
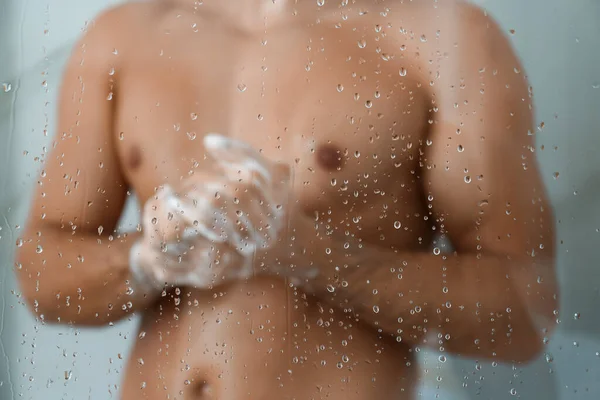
x,y
204,391
134,159
329,157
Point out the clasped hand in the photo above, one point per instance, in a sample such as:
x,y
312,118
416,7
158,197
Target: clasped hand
x,y
230,223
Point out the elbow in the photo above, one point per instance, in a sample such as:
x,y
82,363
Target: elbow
x,y
43,306
529,337
524,348
45,301
29,286
49,310
534,319
516,341
524,341
38,304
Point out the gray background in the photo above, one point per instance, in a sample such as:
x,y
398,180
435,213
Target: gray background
x,y
559,43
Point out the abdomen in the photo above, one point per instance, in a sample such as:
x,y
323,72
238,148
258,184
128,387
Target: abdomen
x,y
261,340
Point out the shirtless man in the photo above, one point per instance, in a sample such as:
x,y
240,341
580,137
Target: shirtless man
x,y
291,256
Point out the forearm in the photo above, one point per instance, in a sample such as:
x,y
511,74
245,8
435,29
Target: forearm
x,y
79,278
479,305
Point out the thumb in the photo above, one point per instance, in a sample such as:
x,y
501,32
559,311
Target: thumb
x,y
282,175
281,183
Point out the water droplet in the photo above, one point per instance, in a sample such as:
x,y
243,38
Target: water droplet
x,y
460,148
368,104
397,224
340,88
442,358
7,87
513,392
376,309
402,71
241,87
362,44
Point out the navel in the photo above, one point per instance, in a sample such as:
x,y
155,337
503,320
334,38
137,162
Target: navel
x,y
134,158
329,156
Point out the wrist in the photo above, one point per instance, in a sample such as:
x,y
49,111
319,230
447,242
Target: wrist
x,y
313,249
142,282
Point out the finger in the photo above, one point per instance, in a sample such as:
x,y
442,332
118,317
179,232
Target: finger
x,y
204,210
213,217
281,190
240,161
256,220
237,158
263,216
211,266
282,175
299,273
152,208
165,216
225,219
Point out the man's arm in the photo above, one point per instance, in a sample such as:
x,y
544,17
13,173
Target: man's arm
x,y
71,268
480,170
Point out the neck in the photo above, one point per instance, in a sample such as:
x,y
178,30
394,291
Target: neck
x,y
247,13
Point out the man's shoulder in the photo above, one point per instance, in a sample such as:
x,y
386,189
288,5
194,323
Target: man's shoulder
x,y
477,22
113,32
460,32
122,22
455,20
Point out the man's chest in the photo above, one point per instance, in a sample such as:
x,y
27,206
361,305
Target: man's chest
x,y
353,133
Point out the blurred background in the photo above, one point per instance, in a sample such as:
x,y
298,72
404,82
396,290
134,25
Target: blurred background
x,y
559,43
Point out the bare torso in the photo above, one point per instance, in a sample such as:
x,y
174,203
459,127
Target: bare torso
x,y
343,104
400,119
